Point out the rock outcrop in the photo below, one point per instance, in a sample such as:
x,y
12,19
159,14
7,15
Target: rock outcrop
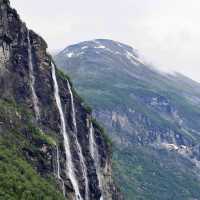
x,y
26,80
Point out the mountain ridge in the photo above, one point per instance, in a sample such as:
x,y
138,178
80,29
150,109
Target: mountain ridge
x,y
152,115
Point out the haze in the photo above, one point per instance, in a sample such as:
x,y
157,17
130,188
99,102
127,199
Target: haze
x,y
166,32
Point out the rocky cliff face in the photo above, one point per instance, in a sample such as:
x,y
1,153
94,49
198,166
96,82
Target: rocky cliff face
x,y
152,117
44,121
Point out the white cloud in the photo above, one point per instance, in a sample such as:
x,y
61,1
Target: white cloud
x,y
167,32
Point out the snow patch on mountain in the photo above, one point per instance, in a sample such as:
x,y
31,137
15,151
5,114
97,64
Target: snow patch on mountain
x,y
84,47
100,47
71,54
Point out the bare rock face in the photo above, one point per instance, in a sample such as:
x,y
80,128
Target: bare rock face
x,y
26,79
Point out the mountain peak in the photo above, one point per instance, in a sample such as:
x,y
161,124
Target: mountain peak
x,y
106,44
102,48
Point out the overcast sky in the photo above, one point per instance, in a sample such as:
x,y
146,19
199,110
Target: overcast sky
x,y
166,32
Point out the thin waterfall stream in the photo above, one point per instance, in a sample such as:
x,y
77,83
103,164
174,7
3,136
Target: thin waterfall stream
x,y
69,165
95,155
58,170
82,160
32,79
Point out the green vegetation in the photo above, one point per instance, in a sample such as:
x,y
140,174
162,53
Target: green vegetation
x,y
38,134
148,174
102,131
64,77
19,179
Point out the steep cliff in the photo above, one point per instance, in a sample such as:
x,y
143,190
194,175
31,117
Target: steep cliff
x,y
152,117
47,134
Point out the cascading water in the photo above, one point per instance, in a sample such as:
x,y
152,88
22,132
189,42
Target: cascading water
x,y
4,54
69,164
58,170
32,79
95,155
82,160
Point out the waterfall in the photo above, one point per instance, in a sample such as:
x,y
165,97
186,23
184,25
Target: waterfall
x,y
95,155
69,164
4,54
82,160
58,169
32,79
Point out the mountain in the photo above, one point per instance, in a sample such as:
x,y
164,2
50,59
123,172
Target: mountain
x,y
50,146
151,116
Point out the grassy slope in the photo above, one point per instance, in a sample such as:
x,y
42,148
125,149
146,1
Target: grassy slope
x,y
19,179
105,95
147,174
